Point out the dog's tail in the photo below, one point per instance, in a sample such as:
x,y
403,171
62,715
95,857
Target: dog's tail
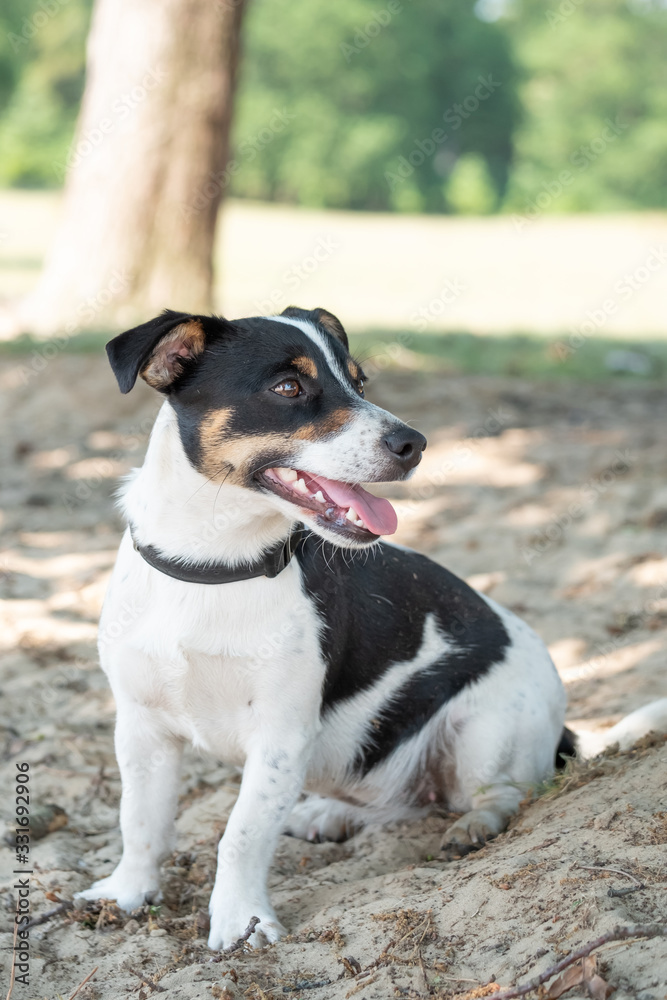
x,y
649,718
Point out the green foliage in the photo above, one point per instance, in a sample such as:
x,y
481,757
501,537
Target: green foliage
x,y
371,104
373,91
41,82
470,188
595,105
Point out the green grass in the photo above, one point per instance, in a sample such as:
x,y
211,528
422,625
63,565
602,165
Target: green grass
x,y
520,354
449,353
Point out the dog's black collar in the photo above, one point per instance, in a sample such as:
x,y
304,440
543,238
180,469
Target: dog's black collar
x,y
270,564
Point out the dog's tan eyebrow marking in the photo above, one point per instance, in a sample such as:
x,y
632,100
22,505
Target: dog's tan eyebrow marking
x,y
192,337
353,369
306,366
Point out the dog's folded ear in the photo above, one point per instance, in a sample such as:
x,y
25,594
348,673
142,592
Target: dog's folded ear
x,y
332,325
159,350
323,318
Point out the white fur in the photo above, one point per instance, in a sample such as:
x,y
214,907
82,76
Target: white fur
x,y
321,341
237,670
648,718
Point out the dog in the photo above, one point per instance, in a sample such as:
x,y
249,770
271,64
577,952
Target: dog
x,y
254,611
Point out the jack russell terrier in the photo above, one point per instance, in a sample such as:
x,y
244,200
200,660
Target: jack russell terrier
x,y
274,630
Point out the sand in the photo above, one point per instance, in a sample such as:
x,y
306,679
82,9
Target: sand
x,y
551,497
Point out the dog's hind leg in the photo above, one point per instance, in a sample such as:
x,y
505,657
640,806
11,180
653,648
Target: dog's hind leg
x,y
316,818
149,762
497,744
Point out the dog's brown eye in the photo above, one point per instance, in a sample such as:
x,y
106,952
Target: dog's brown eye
x,y
360,386
289,387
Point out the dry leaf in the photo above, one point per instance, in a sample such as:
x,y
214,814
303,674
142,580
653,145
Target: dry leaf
x,y
581,972
598,988
574,976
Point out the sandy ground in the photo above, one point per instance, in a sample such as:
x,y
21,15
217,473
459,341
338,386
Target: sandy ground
x,y
593,274
550,497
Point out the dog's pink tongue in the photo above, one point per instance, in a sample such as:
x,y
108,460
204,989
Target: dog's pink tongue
x,y
376,512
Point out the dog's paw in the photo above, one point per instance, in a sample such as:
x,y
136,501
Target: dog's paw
x,y
128,893
230,922
471,831
318,819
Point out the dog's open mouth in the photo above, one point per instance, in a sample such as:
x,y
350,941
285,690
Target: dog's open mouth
x,y
347,509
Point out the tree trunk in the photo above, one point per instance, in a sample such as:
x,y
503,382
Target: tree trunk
x,y
146,172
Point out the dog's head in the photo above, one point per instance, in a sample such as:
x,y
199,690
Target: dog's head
x,y
276,405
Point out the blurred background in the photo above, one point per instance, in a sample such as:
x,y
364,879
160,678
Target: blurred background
x,y
477,190
494,169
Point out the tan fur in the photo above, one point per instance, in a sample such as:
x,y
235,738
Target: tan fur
x,y
306,366
191,338
211,437
353,369
230,457
331,323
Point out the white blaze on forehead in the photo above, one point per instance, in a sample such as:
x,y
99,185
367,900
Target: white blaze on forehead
x,y
320,340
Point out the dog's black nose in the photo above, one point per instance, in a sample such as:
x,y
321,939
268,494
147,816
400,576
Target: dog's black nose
x,y
405,446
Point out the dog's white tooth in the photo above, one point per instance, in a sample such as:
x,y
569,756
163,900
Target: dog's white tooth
x,y
352,515
300,486
360,523
287,475
319,496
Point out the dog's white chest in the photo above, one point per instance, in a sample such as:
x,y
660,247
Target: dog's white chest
x,y
217,661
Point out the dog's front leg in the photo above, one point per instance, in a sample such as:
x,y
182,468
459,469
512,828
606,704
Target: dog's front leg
x,y
149,761
273,777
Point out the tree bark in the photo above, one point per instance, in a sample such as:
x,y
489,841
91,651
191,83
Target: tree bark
x,y
146,171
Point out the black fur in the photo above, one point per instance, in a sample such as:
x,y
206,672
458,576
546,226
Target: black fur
x,y
129,352
374,605
241,362
566,748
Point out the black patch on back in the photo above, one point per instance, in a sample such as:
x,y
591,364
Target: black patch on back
x,y
374,605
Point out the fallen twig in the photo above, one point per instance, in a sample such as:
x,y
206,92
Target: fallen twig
x,y
361,985
63,907
303,985
617,934
82,984
616,871
626,890
154,987
238,944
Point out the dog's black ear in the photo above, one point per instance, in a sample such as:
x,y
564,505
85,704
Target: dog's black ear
x,y
158,350
332,325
